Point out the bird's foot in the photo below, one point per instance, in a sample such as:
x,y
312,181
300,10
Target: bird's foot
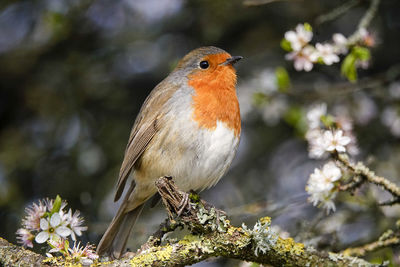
x,y
185,203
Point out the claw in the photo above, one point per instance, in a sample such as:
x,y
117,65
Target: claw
x,y
183,204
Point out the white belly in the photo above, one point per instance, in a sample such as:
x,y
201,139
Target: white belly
x,y
213,154
195,157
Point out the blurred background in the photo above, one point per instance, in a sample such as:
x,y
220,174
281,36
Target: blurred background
x,y
73,75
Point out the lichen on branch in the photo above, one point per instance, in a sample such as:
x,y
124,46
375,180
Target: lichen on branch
x,y
210,239
212,236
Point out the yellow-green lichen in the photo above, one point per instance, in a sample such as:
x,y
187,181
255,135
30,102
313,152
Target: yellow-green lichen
x,y
57,261
187,239
61,261
347,252
147,259
266,221
234,230
288,245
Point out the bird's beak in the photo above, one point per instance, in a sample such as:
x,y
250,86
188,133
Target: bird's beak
x,y
232,60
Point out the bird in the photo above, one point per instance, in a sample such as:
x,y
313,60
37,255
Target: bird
x,y
188,128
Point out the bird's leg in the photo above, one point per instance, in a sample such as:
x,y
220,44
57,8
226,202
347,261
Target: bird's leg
x,y
183,204
192,196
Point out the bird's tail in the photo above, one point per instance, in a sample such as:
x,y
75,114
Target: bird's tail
x,y
117,234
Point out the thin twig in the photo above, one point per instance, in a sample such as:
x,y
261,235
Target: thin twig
x,y
355,183
361,170
369,15
337,12
390,202
263,2
365,21
383,242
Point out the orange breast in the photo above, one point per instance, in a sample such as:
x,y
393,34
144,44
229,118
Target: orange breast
x,y
215,95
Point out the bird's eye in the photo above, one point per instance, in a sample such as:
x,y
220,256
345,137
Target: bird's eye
x,y
204,64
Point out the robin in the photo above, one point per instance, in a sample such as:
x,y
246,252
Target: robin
x,y
188,128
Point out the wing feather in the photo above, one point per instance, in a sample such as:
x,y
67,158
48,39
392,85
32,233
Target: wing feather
x,y
146,126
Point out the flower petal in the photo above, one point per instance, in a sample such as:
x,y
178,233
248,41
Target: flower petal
x,y
42,237
44,224
55,220
345,140
291,36
63,231
340,148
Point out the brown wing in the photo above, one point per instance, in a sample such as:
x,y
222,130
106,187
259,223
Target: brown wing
x,y
145,127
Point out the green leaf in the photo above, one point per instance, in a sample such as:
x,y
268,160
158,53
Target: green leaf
x,y
307,27
285,44
328,121
56,205
361,53
348,68
282,79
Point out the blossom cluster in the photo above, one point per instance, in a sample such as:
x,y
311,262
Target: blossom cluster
x,y
49,221
322,186
305,55
321,140
82,254
326,134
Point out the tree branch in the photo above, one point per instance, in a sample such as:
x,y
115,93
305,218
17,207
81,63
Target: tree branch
x,y
215,236
212,236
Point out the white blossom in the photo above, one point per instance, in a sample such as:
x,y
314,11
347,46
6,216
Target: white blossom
x,y
326,53
25,237
34,213
75,223
86,255
314,115
326,141
299,38
340,43
321,185
336,141
317,145
303,59
52,229
345,123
